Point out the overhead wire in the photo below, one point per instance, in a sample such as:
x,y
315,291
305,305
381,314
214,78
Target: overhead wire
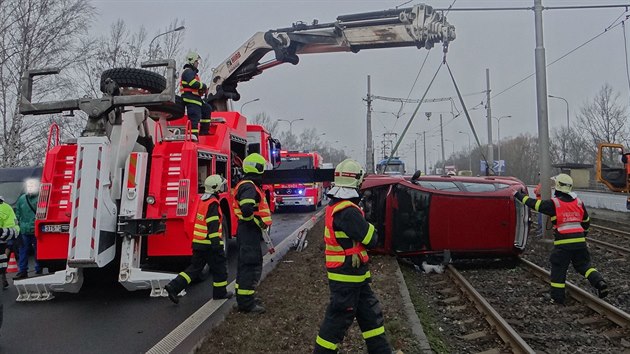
x,y
625,49
606,30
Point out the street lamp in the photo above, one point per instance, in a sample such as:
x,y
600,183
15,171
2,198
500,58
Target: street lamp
x,y
290,123
567,103
469,151
499,138
162,34
243,105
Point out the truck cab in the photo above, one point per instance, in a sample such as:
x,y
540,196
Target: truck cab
x,y
309,194
259,140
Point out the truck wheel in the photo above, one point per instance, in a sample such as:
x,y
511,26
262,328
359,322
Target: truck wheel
x,y
168,111
135,79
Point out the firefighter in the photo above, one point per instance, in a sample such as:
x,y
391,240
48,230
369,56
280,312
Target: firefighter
x,y
192,89
9,230
207,245
347,235
251,208
570,222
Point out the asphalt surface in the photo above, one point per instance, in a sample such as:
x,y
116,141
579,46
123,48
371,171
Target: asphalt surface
x,y
104,317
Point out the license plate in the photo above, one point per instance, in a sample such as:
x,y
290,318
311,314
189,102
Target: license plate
x,y
58,228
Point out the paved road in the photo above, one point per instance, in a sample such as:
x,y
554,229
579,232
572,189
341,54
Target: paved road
x,y
105,318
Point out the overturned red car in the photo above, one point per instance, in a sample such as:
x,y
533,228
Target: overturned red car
x,y
462,217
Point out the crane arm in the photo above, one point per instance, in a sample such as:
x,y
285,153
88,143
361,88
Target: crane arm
x,y
419,26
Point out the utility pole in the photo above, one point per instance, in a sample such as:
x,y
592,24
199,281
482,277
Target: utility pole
x,y
442,143
543,119
489,113
424,142
369,158
415,155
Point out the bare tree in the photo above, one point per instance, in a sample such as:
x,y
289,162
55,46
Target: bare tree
x,y
521,157
567,145
265,120
604,119
35,34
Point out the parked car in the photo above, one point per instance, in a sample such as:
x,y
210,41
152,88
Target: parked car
x,y
466,217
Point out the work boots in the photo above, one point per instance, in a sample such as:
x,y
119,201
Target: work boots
x,y
256,309
172,293
602,289
226,295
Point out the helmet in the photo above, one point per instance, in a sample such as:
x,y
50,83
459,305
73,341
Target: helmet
x,y
192,57
254,163
214,184
564,183
349,173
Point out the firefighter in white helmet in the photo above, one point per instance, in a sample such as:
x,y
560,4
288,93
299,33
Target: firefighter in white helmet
x,y
207,245
253,213
192,91
570,225
347,236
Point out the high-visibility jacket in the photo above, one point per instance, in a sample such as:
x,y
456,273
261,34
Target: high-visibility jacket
x,y
262,213
208,228
569,216
335,254
190,86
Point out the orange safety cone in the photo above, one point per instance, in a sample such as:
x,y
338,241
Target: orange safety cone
x,y
13,267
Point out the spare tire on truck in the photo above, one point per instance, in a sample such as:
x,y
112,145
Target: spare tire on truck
x,y
139,81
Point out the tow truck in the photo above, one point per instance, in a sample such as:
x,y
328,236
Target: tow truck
x,y
123,194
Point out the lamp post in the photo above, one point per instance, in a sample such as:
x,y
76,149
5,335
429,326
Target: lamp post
x,y
162,34
243,105
499,138
567,103
469,150
290,123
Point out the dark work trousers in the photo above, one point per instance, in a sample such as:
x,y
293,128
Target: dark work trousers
x,y
198,113
29,242
215,258
4,258
346,304
560,258
250,259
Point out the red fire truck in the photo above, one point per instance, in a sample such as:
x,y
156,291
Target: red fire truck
x,y
259,140
127,188
299,194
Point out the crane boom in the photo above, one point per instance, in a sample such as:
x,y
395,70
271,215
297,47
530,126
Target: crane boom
x,y
418,26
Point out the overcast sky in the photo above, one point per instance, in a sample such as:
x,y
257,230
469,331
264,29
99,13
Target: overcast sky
x,y
327,90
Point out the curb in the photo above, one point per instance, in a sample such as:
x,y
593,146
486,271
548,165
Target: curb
x,y
190,332
412,315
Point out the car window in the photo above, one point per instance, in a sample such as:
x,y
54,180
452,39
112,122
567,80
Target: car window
x,y
502,186
478,187
440,185
411,219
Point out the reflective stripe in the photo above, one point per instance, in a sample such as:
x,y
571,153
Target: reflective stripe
x,y
569,240
192,82
201,227
219,284
349,278
374,332
214,234
246,201
248,218
212,218
554,218
368,236
335,258
194,130
341,234
325,344
570,226
245,292
200,234
334,248
589,271
557,285
587,219
204,242
537,206
525,198
205,120
189,100
185,276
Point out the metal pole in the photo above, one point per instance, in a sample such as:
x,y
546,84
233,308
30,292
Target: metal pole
x,y
541,102
442,144
161,34
415,154
369,158
489,113
499,144
244,104
424,150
